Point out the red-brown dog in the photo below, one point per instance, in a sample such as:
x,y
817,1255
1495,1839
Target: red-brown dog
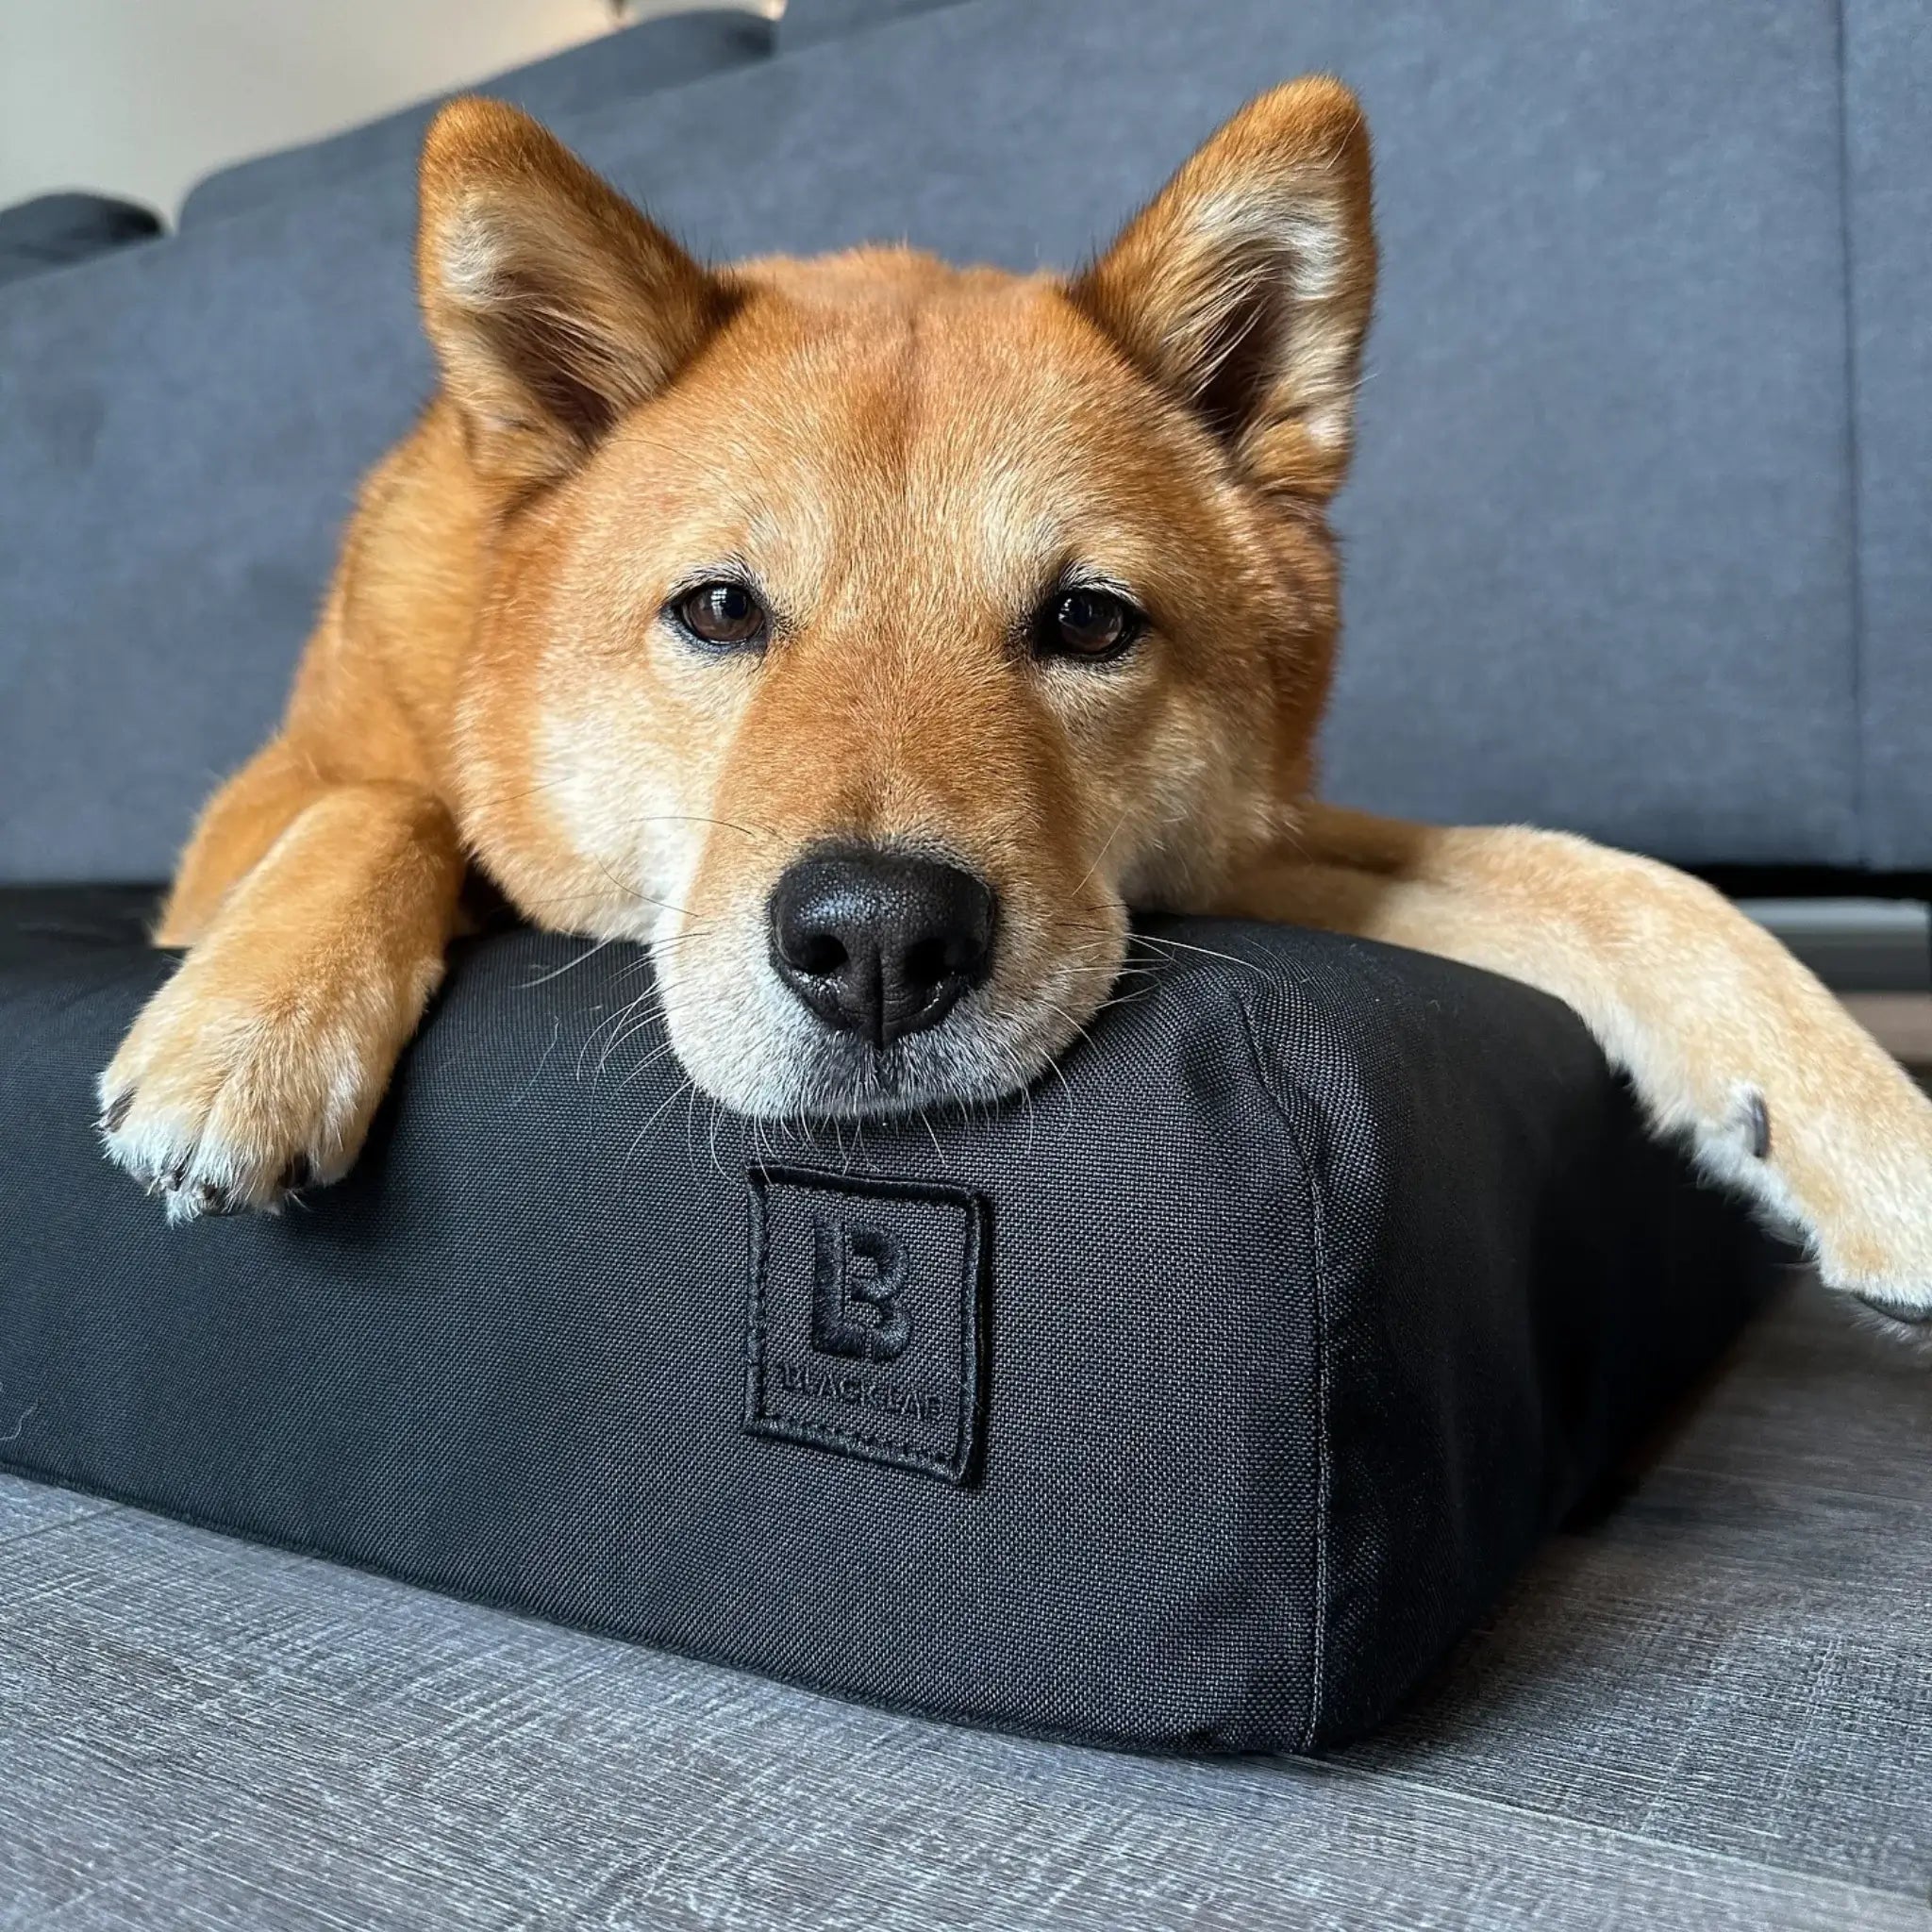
x,y
869,635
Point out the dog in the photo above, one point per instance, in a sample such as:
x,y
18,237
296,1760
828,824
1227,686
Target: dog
x,y
868,636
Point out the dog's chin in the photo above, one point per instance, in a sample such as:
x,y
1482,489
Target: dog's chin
x,y
840,1078
787,1066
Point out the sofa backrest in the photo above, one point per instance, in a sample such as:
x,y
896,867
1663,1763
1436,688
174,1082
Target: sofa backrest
x,y
636,60
664,52
1600,539
53,230
1887,80
805,23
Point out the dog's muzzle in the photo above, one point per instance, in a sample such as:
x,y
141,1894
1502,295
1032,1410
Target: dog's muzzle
x,y
879,943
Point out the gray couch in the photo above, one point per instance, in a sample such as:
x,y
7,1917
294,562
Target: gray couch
x,y
1634,537
1637,544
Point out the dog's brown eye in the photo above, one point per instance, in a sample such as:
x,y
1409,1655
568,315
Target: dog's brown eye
x,y
1088,623
723,613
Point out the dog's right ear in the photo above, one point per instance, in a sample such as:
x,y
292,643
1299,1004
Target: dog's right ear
x,y
552,304
1244,289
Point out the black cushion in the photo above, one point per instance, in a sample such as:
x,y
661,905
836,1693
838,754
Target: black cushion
x,y
1203,1396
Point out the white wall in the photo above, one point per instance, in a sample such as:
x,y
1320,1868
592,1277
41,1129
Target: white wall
x,y
143,97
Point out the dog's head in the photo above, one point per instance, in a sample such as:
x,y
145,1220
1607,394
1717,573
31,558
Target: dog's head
x,y
870,634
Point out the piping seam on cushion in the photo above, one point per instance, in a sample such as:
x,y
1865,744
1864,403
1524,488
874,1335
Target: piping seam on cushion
x,y
1318,1638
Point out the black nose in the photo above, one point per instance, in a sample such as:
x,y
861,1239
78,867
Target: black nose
x,y
881,943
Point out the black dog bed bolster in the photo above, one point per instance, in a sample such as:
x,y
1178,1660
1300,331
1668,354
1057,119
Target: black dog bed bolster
x,y
1204,1395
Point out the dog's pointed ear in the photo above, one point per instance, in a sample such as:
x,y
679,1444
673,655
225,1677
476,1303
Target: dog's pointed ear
x,y
552,304
1244,287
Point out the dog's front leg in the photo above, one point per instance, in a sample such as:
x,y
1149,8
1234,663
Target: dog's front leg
x,y
1728,1040
255,1070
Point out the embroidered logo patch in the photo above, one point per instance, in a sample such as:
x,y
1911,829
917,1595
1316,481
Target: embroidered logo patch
x,y
864,1329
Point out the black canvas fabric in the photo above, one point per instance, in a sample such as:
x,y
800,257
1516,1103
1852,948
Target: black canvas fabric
x,y
1309,1294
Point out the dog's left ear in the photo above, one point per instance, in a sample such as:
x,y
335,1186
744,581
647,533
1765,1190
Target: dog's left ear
x,y
1244,287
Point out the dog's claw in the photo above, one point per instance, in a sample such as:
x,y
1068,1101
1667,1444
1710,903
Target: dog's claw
x,y
214,1116
1756,1126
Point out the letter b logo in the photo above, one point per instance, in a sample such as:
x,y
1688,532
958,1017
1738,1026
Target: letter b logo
x,y
864,1322
859,1274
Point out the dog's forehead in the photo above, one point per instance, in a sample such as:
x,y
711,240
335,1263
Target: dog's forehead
x,y
884,414
924,389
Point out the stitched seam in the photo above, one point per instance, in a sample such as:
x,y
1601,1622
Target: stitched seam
x,y
1318,1638
828,1438
759,1230
971,1272
862,1187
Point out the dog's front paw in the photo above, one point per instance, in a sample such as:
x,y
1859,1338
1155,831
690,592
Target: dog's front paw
x,y
1874,1233
1847,1172
233,1091
1895,1289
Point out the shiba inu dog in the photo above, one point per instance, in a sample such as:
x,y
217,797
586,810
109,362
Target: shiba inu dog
x,y
868,636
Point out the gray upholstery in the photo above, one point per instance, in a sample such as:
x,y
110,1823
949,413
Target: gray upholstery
x,y
1889,162
806,22
184,428
621,66
1601,545
54,231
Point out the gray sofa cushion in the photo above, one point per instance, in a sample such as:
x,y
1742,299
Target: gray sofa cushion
x,y
1599,542
805,23
1219,1384
621,66
54,231
1888,148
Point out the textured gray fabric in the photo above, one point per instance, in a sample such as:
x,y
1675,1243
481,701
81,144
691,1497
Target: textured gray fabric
x,y
1889,178
184,425
1599,542
52,230
1711,1706
805,23
1599,557
621,66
